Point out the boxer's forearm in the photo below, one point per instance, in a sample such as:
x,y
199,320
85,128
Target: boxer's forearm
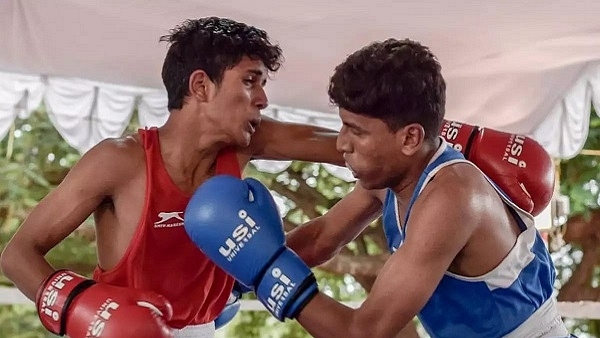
x,y
309,243
324,317
25,268
299,241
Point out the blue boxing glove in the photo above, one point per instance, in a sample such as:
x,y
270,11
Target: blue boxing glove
x,y
237,225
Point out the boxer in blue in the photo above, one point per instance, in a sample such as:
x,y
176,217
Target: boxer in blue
x,y
465,259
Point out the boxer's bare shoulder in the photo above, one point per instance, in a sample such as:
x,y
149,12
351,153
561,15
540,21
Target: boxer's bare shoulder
x,y
117,161
489,242
118,214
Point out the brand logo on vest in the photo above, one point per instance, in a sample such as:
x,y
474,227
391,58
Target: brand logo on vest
x,y
169,219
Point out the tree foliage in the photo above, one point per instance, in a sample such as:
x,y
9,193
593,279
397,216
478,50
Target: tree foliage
x,y
577,249
34,159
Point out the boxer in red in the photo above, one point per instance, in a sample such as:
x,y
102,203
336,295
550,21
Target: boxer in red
x,y
151,281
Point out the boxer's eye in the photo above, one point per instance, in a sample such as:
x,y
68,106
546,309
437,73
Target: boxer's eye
x,y
356,132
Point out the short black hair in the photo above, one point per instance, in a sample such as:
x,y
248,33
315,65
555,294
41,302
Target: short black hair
x,y
397,81
214,45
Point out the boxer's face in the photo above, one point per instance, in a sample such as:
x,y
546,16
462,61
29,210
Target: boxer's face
x,y
239,99
370,150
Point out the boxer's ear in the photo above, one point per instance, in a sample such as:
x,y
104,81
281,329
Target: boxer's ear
x,y
200,85
410,138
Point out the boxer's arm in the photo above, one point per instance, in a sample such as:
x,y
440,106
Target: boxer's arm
x,y
87,184
320,239
276,140
438,230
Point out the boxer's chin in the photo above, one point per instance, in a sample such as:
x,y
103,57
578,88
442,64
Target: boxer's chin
x,y
363,184
246,135
246,139
349,167
371,182
243,139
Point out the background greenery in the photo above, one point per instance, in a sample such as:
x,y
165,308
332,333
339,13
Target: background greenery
x,y
34,159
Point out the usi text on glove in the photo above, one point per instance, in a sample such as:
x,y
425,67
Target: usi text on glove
x,y
239,236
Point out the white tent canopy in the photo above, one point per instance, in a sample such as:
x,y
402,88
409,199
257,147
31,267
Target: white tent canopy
x,y
530,67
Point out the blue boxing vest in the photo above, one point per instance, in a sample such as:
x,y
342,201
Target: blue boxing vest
x,y
512,300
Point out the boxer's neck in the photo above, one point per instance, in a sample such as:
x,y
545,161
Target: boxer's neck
x,y
405,188
190,146
193,134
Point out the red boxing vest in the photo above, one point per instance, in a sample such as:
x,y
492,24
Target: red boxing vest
x,y
161,257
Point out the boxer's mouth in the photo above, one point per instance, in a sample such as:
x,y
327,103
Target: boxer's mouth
x,y
253,124
351,170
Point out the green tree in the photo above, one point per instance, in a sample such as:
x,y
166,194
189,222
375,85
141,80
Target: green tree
x,y
34,159
577,255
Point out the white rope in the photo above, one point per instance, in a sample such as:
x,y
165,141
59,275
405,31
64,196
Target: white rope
x,y
11,296
580,310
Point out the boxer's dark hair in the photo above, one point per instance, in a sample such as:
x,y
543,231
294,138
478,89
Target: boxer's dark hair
x,y
213,45
397,81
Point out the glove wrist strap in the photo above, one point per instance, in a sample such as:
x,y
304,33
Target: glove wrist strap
x,y
55,295
307,290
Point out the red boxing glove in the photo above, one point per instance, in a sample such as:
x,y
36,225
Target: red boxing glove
x,y
71,304
517,164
